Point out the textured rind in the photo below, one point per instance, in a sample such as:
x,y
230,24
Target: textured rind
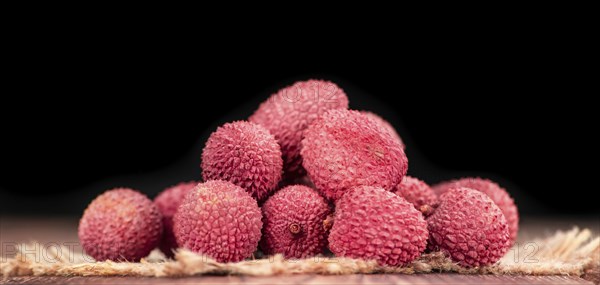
x,y
295,205
167,202
344,149
120,225
219,219
287,113
245,154
469,227
374,224
386,125
498,194
417,193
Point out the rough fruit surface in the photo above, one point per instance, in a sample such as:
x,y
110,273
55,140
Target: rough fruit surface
x,y
120,225
498,194
245,154
374,224
293,222
167,202
386,125
469,227
417,193
219,219
287,113
344,149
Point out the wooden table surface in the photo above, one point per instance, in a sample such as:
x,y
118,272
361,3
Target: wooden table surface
x,y
21,229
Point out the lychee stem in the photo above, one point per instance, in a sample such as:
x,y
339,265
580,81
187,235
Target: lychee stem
x,y
294,228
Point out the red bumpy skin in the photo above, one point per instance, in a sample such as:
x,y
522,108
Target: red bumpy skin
x,y
498,194
374,224
219,219
245,154
287,113
120,225
469,227
167,202
417,193
344,149
293,222
386,125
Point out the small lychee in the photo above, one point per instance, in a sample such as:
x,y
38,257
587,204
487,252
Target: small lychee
x,y
344,149
418,193
245,154
498,194
287,113
371,223
120,225
293,222
167,202
219,219
469,227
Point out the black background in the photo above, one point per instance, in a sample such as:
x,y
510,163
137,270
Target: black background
x,y
77,120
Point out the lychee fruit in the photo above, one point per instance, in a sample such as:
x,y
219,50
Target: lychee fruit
x,y
498,194
386,125
219,219
120,225
371,223
245,154
418,193
293,222
287,113
469,227
344,149
167,202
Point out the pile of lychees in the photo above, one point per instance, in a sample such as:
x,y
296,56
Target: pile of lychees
x,y
301,175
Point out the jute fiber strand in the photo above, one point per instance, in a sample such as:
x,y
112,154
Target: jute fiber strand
x,y
565,253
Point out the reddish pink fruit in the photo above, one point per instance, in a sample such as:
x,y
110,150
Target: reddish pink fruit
x,y
374,224
498,194
417,193
287,113
344,149
120,225
293,222
167,202
219,219
386,125
245,154
469,227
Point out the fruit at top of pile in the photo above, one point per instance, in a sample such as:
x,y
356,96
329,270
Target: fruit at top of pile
x,y
219,219
120,225
245,154
371,223
287,113
344,149
293,222
167,202
386,125
469,227
498,194
418,193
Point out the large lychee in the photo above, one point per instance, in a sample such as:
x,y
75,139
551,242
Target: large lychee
x,y
371,223
219,219
120,225
245,154
167,202
344,149
287,113
418,193
293,222
498,194
386,125
469,227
